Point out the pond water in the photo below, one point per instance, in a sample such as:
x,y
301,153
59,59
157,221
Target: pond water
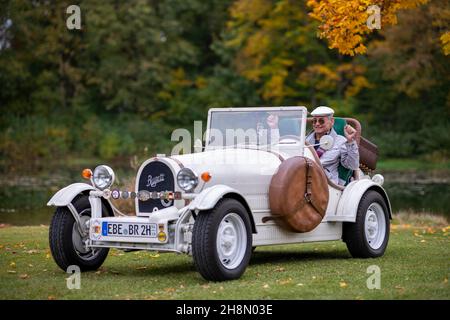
x,y
23,201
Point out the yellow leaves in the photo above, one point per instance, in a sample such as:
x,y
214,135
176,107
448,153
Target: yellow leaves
x,y
344,22
250,10
12,264
266,286
343,284
445,40
319,77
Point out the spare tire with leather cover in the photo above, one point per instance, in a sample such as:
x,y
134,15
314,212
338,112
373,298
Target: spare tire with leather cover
x,y
298,194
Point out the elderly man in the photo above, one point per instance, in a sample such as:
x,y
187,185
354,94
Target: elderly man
x,y
344,150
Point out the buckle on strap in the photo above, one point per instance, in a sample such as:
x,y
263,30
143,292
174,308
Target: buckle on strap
x,y
308,197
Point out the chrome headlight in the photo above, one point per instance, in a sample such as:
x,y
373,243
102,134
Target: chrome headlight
x,y
103,177
187,179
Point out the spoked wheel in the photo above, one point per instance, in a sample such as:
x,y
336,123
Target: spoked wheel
x,y
222,241
67,242
368,236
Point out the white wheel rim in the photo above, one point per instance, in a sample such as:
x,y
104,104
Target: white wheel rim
x,y
231,240
78,241
375,226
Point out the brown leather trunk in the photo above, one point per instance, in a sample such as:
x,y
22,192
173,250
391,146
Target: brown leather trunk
x,y
298,194
368,154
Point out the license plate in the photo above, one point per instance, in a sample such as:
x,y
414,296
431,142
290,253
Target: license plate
x,y
128,229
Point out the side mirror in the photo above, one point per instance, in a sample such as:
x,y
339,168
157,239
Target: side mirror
x,y
326,142
198,146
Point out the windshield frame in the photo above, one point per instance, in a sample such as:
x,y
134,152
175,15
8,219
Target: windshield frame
x,y
301,109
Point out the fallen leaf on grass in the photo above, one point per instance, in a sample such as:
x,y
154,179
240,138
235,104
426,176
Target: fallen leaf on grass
x,y
47,256
342,284
12,264
286,281
266,286
32,251
11,271
445,280
154,255
423,240
300,284
205,286
51,298
141,268
279,269
24,276
399,288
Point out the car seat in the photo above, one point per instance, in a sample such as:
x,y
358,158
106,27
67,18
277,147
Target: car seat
x,y
344,173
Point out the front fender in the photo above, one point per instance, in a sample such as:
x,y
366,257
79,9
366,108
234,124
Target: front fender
x,y
65,196
349,201
208,198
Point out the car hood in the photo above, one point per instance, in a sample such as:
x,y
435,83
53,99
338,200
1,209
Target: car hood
x,y
247,170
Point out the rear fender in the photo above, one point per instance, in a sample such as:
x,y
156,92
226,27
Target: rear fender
x,y
351,197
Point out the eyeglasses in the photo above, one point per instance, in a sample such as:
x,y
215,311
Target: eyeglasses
x,y
321,121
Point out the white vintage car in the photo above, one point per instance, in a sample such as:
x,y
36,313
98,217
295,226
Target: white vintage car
x,y
250,185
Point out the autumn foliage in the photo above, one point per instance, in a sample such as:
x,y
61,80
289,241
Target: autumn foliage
x,y
344,22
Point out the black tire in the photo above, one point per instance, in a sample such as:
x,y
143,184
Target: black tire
x,y
204,241
354,234
62,246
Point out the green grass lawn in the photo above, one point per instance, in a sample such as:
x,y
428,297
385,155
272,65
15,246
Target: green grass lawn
x,y
416,266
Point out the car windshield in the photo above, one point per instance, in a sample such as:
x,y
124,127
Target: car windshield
x,y
254,128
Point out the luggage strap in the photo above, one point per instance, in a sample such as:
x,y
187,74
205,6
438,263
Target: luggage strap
x,y
308,192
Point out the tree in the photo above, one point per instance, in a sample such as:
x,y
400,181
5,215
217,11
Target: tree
x,y
344,22
276,47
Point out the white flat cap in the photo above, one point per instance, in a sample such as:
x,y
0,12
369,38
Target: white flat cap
x,y
322,111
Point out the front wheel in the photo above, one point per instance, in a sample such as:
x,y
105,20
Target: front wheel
x,y
368,236
222,241
67,244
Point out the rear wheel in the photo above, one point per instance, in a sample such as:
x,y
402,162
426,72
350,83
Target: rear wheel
x,y
67,244
222,241
368,236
